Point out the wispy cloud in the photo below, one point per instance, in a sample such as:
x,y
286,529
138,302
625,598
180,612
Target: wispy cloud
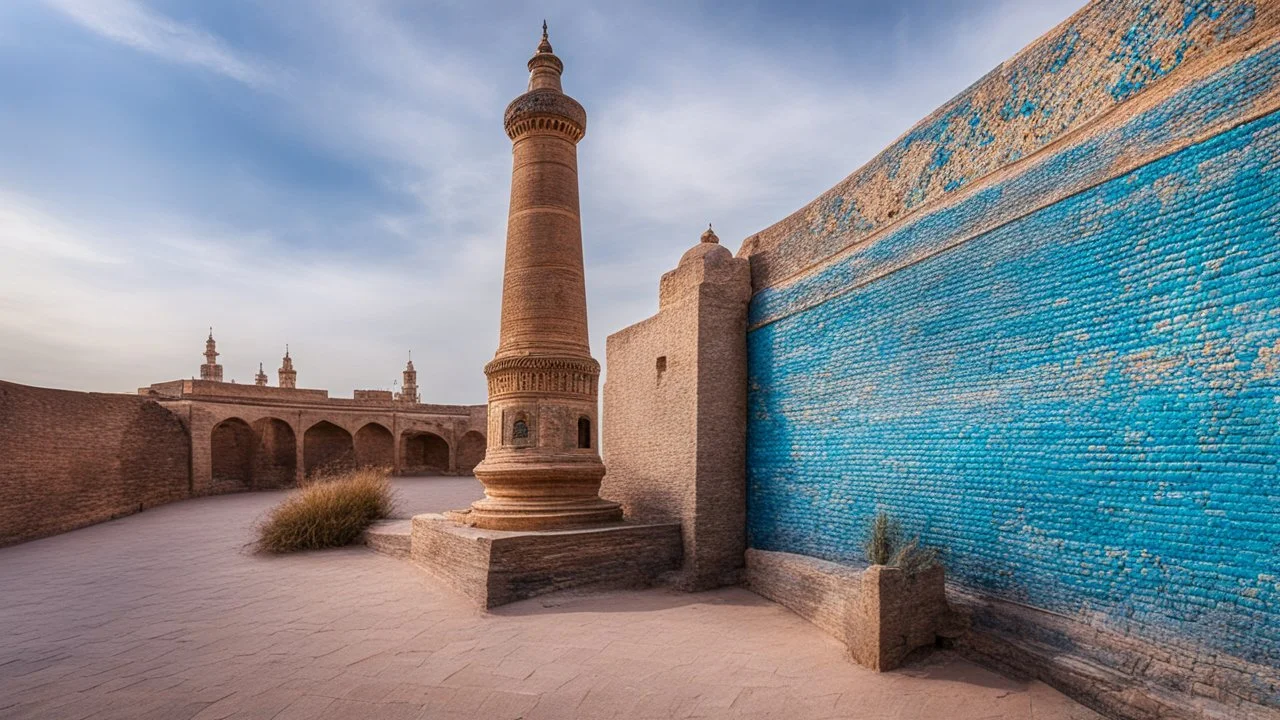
x,y
347,194
132,24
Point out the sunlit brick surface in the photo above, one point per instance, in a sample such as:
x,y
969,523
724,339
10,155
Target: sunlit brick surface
x,y
166,615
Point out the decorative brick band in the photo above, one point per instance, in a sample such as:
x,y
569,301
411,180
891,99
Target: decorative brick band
x,y
545,110
569,376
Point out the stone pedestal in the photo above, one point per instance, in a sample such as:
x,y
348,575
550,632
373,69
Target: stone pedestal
x,y
495,567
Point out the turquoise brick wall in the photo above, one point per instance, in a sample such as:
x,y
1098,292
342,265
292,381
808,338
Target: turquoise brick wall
x,y
1081,406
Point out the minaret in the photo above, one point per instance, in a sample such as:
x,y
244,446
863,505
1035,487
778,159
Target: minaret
x,y
261,378
288,376
211,370
409,388
542,469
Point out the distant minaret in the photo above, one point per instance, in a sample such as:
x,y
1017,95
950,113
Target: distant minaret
x,y
211,370
288,376
409,388
261,378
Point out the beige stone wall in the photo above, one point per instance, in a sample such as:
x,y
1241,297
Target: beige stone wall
x,y
675,413
879,612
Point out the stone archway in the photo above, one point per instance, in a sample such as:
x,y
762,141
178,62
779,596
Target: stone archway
x,y
470,451
375,446
276,462
424,452
231,450
326,447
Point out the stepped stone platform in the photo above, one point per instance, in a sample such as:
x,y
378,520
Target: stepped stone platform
x,y
390,537
496,567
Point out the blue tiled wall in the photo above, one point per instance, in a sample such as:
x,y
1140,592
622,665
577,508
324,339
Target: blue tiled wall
x,y
1081,407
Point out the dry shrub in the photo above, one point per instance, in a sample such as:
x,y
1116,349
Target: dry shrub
x,y
884,545
329,511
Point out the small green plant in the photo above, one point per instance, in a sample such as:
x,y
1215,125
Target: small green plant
x,y
884,545
329,511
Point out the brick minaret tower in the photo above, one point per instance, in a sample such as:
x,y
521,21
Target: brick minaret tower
x,y
288,376
211,370
409,387
542,469
261,378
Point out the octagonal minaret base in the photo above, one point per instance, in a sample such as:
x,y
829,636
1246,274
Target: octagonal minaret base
x,y
542,468
536,491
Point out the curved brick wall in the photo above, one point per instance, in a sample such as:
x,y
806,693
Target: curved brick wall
x,y
70,459
1065,373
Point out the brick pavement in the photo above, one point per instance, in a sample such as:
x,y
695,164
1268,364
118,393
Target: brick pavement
x,y
166,614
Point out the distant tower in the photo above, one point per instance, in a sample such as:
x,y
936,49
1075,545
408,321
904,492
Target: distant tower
x,y
409,388
288,376
261,378
542,469
211,370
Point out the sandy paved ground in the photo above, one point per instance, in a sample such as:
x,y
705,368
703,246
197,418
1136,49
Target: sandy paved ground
x,y
165,614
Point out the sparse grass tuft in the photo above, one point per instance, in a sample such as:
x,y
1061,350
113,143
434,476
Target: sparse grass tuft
x,y
329,511
883,537
884,545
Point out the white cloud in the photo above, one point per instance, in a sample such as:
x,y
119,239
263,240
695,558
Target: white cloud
x,y
132,24
710,130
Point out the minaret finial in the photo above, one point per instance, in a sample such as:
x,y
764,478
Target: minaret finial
x,y
210,332
544,47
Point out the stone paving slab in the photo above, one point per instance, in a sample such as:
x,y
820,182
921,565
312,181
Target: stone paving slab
x,y
168,614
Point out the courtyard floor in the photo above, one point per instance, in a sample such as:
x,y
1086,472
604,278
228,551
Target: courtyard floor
x,y
168,614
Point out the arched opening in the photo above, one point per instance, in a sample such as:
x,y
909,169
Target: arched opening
x,y
584,433
326,448
276,462
375,446
470,451
231,455
425,452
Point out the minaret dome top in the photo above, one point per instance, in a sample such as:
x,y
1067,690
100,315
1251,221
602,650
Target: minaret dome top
x,y
545,108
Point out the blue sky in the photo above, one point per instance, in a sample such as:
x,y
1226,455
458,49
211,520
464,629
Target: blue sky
x,y
333,173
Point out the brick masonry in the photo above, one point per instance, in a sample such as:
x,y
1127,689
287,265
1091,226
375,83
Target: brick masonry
x,y
70,459
1055,356
496,567
880,613
675,413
